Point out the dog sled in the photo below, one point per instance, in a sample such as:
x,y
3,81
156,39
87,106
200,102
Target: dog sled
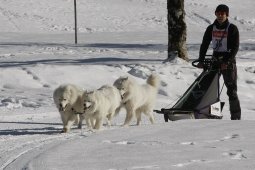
x,y
202,99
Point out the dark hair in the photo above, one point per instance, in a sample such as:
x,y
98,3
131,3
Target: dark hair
x,y
223,8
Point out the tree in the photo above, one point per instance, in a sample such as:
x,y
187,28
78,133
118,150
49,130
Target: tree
x,y
177,30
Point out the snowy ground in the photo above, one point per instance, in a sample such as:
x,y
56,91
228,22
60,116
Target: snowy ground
x,y
116,37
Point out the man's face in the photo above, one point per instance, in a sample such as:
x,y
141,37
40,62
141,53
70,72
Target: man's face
x,y
221,16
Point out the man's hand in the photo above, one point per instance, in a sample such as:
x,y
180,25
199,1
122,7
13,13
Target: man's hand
x,y
200,65
223,66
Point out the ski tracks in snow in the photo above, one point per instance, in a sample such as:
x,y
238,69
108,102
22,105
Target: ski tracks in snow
x,y
13,152
20,145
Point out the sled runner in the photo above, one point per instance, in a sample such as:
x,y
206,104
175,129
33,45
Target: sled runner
x,y
202,99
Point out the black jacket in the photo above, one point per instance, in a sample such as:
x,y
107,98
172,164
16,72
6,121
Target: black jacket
x,y
232,45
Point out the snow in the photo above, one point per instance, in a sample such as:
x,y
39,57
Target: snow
x,y
115,38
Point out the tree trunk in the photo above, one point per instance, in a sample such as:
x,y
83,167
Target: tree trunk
x,y
177,30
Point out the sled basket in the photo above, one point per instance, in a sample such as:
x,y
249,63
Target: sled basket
x,y
201,100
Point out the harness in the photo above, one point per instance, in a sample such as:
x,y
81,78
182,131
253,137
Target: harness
x,y
75,112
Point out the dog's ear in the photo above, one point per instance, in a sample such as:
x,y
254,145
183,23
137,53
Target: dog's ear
x,y
69,89
55,93
125,78
84,95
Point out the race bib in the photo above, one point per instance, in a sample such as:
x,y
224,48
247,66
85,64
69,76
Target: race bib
x,y
219,39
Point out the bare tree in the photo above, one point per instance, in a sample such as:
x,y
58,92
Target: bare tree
x,y
177,30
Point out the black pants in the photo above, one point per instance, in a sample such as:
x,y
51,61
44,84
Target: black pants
x,y
230,80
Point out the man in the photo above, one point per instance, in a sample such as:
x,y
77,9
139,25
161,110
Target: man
x,y
225,41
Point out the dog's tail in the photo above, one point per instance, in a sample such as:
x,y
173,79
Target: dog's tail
x,y
153,80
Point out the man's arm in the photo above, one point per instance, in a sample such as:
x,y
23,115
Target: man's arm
x,y
205,43
234,43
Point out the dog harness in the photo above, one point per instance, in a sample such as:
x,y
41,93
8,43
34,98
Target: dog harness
x,y
75,112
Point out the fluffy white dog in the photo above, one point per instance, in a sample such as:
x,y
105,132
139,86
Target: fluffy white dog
x,y
68,101
138,99
100,104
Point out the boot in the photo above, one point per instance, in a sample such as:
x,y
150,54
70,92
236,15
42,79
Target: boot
x,y
235,109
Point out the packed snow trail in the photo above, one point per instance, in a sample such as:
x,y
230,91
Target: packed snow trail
x,y
132,148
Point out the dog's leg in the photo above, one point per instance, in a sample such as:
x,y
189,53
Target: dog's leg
x,y
63,117
98,124
148,112
69,123
82,117
109,118
92,122
108,123
129,116
151,116
88,123
152,120
80,124
117,110
138,116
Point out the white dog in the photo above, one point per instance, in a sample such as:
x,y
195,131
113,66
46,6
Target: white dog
x,y
138,99
68,101
100,104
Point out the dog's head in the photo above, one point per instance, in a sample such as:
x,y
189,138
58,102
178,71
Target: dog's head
x,y
63,97
89,101
122,84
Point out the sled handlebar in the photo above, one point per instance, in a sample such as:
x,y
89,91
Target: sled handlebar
x,y
206,63
195,65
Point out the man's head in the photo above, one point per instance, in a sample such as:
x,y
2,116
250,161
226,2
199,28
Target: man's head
x,y
222,12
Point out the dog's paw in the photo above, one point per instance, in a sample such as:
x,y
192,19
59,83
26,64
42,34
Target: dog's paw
x,y
64,130
124,125
79,126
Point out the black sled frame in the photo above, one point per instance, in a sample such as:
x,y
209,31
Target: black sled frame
x,y
202,99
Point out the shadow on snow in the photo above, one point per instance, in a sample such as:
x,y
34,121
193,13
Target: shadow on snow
x,y
92,61
30,131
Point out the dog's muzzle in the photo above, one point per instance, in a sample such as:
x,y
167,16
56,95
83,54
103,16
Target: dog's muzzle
x,y
87,105
122,94
61,108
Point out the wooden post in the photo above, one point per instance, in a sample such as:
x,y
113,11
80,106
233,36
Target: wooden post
x,y
75,21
